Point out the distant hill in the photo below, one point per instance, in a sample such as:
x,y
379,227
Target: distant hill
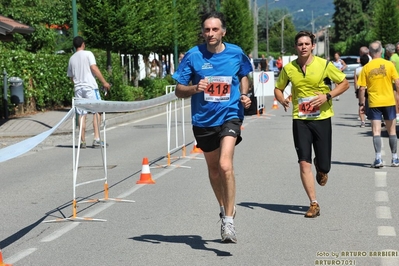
x,y
302,20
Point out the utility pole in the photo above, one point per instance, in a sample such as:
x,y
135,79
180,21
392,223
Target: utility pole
x,y
255,13
74,18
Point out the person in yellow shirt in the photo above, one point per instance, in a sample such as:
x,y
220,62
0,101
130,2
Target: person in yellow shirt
x,y
395,60
378,76
312,111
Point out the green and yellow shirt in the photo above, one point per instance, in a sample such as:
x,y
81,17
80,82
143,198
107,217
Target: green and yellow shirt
x,y
305,86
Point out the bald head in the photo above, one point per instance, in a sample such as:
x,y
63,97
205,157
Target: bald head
x,y
363,50
375,49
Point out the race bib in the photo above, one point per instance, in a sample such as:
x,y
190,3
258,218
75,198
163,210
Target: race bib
x,y
305,109
218,89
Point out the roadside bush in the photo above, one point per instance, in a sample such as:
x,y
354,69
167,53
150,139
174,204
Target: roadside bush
x,y
46,85
44,77
153,87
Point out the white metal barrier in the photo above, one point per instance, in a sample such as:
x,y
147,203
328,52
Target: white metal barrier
x,y
107,106
175,140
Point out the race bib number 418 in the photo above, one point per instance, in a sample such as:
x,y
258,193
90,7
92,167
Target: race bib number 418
x,y
218,89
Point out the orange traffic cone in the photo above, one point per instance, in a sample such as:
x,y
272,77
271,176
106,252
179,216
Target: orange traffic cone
x,y
275,104
196,149
1,260
145,176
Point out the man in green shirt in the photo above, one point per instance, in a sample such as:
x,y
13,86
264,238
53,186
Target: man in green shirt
x,y
312,111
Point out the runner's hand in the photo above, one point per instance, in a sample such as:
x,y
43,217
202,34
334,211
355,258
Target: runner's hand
x,y
245,101
318,100
201,86
285,104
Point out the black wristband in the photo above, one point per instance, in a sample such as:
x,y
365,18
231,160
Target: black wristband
x,y
245,94
328,96
361,104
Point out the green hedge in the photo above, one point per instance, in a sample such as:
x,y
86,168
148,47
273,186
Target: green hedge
x,y
46,85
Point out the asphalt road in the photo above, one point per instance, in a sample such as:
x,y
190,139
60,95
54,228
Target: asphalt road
x,y
175,221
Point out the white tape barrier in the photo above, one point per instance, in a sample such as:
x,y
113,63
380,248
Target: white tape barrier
x,y
116,107
24,146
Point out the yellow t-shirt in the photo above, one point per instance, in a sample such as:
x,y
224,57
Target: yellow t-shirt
x,y
378,75
304,86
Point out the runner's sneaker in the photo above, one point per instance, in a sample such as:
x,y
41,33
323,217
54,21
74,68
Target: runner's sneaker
x,y
228,232
320,176
377,163
395,162
83,145
362,124
314,210
97,143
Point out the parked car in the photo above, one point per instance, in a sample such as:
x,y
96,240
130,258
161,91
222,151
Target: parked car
x,y
352,62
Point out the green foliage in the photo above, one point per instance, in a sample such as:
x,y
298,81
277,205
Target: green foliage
x,y
46,85
348,18
386,21
153,87
353,21
40,15
44,76
239,24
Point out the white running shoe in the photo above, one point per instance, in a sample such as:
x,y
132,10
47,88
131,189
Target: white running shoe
x,y
228,233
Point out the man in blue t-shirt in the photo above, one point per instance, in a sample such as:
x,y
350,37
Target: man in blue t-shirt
x,y
214,74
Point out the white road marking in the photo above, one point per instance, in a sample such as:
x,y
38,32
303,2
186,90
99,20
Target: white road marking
x,y
59,232
381,196
383,212
386,231
380,179
20,255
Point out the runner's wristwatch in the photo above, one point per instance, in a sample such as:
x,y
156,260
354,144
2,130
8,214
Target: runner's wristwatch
x,y
328,96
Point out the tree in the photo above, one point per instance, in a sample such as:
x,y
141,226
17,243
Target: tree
x,y
348,19
352,26
41,15
239,23
275,31
386,21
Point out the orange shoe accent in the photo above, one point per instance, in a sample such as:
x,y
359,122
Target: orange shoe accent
x,y
145,176
1,260
196,149
275,104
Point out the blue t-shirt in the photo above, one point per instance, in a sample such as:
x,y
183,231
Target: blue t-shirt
x,y
224,70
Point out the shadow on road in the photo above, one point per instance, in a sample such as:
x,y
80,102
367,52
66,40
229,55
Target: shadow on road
x,y
194,241
290,209
358,164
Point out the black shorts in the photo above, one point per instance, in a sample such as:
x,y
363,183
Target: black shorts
x,y
317,133
208,138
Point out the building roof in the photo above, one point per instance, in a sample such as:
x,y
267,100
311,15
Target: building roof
x,y
10,26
